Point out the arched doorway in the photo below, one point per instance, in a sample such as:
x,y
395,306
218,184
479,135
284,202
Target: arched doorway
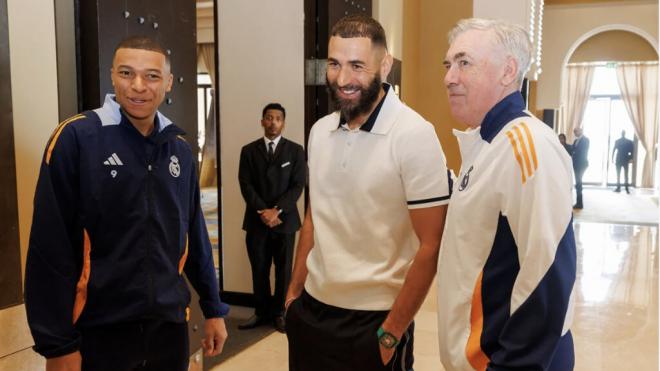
x,y
595,100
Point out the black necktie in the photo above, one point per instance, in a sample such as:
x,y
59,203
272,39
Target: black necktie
x,y
271,152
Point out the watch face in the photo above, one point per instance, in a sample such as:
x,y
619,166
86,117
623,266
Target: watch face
x,y
387,340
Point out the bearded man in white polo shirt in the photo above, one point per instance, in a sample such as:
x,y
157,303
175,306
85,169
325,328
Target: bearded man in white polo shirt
x,y
508,262
378,188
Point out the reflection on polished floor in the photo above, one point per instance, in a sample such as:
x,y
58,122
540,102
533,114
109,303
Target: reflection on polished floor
x,y
616,317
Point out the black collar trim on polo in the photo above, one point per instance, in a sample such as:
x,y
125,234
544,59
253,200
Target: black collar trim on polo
x,y
369,124
509,108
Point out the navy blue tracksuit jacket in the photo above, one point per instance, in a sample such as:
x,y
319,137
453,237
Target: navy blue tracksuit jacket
x,y
117,220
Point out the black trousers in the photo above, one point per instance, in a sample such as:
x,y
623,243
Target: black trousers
x,y
618,175
579,172
264,250
149,345
327,338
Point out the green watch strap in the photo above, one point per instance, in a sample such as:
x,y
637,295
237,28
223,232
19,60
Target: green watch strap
x,y
386,339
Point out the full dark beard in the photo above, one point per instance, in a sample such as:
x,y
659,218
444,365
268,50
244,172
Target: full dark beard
x,y
368,97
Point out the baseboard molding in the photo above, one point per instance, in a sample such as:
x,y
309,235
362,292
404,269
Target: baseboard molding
x,y
238,298
16,335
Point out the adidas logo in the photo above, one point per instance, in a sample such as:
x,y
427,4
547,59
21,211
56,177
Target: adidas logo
x,y
113,160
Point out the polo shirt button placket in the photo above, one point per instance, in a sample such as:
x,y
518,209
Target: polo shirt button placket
x,y
346,154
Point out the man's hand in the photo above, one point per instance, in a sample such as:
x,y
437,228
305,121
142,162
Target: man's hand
x,y
275,223
290,298
269,216
67,362
215,335
386,354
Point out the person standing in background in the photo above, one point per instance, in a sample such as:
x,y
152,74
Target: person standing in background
x,y
622,155
272,174
567,147
580,157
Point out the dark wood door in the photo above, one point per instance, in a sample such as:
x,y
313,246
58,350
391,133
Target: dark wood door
x,y
11,292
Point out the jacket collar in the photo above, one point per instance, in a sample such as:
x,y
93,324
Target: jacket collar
x,y
110,114
259,143
509,108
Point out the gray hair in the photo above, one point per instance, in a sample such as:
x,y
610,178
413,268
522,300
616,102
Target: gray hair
x,y
512,37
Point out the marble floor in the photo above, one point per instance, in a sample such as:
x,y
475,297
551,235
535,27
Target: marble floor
x,y
616,318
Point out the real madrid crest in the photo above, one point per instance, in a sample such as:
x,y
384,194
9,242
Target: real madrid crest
x,y
466,180
175,168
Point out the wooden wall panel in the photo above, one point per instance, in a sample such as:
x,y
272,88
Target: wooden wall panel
x,y
104,23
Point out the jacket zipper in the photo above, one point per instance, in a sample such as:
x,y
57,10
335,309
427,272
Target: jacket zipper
x,y
149,195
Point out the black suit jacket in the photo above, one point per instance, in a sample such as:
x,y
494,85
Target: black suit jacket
x,y
580,153
623,148
265,184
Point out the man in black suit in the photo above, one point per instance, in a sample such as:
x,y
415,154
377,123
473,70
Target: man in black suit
x,y
580,163
272,175
623,148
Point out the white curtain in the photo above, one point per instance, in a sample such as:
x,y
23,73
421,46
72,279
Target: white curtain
x,y
638,82
575,97
208,172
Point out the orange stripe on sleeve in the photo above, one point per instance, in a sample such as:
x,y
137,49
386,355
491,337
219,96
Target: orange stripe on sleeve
x,y
182,261
81,286
523,147
475,355
517,154
57,132
532,148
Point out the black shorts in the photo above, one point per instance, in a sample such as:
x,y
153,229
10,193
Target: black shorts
x,y
141,345
327,338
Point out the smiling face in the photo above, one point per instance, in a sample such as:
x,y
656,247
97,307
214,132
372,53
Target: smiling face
x,y
478,76
141,78
354,74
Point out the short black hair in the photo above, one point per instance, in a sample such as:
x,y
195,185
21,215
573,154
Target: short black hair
x,y
360,25
276,106
143,43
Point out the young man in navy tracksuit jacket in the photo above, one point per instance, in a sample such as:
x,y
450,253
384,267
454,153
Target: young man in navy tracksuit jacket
x,y
117,221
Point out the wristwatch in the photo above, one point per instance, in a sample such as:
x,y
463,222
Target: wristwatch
x,y
386,339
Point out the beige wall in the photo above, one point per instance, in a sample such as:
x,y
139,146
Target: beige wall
x,y
35,113
204,23
390,15
261,61
614,46
516,11
566,24
426,23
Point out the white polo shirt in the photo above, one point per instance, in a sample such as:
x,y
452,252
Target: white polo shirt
x,y
362,184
